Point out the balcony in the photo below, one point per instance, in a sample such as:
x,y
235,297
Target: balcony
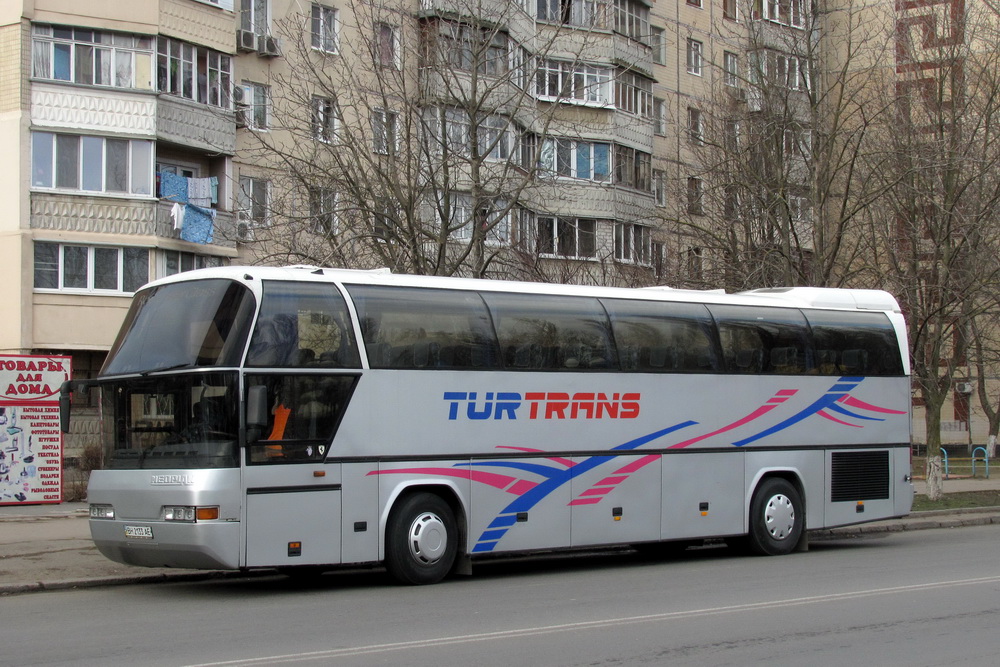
x,y
186,123
119,218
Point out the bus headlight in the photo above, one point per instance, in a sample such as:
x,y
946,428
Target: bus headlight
x,y
102,511
189,514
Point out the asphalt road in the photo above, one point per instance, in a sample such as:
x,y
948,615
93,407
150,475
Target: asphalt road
x,y
928,597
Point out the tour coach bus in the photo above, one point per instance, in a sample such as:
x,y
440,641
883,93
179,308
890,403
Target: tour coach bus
x,y
300,418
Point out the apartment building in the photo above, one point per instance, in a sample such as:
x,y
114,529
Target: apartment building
x,y
102,107
561,140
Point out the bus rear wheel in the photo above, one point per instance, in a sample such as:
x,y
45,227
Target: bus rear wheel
x,y
776,518
421,540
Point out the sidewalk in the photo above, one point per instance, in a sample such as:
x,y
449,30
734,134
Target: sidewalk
x,y
48,547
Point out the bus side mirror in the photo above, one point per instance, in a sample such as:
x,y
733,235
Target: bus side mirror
x,y
65,390
257,412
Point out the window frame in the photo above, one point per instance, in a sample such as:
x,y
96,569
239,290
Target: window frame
x,y
249,194
91,276
695,56
324,29
76,166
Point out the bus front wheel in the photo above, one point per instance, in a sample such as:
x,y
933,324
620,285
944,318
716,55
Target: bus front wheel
x,y
421,539
776,518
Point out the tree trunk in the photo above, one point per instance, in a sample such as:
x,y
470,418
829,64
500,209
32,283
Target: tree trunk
x,y
935,482
935,487
991,446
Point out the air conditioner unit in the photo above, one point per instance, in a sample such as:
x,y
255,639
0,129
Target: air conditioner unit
x,y
242,115
268,46
244,231
963,387
246,40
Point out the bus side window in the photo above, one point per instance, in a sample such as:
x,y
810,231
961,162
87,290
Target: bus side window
x,y
764,339
658,337
549,333
303,325
855,343
409,328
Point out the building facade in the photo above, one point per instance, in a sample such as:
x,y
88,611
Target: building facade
x,y
562,140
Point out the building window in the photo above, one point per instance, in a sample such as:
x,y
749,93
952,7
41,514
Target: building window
x,y
386,46
659,116
695,264
82,268
695,3
731,139
632,19
254,16
731,68
729,9
468,48
573,82
658,43
581,13
91,57
385,213
253,200
323,28
696,128
322,211
632,168
324,119
256,105
385,137
786,12
695,197
193,72
175,261
91,164
564,237
632,243
634,93
781,69
694,57
660,187
586,160
455,212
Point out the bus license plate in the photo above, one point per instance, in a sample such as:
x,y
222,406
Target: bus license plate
x,y
139,532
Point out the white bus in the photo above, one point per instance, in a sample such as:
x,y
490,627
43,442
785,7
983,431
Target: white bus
x,y
301,418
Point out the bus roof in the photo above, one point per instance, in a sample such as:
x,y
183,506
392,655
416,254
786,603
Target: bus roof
x,y
794,297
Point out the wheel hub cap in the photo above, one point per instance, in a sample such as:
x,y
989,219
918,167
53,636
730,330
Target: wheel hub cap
x,y
779,517
428,538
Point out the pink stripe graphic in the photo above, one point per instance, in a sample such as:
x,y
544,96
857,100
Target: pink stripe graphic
x,y
756,414
855,403
555,459
585,501
824,413
490,478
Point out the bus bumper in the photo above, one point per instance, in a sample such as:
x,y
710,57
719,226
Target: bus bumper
x,y
200,546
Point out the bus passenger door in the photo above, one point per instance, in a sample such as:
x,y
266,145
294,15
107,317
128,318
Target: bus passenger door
x,y
293,498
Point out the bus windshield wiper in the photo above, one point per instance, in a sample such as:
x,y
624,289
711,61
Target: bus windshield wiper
x,y
167,368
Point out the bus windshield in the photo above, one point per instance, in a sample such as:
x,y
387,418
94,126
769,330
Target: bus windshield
x,y
181,421
195,323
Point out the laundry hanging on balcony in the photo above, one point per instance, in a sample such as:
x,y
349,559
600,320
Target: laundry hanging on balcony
x,y
191,212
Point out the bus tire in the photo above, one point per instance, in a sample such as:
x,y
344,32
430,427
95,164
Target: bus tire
x,y
421,539
777,518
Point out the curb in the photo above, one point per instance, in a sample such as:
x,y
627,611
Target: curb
x,y
957,518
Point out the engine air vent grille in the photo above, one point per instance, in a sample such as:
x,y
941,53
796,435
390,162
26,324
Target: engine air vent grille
x,y
859,476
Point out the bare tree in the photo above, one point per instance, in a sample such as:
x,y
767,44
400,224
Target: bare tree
x,y
786,131
427,142
936,230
